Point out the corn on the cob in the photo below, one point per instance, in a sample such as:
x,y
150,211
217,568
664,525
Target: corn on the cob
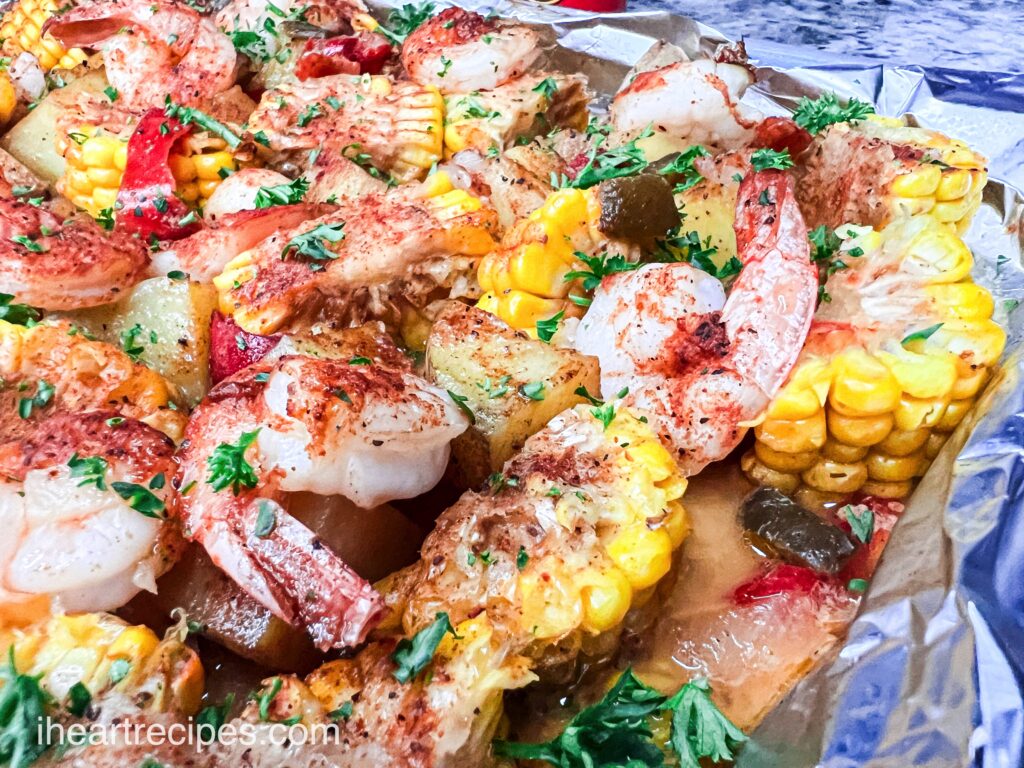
x,y
868,409
547,566
525,280
85,375
20,30
912,171
108,655
95,162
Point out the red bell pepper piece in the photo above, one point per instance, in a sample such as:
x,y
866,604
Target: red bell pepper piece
x,y
146,204
232,349
779,580
361,54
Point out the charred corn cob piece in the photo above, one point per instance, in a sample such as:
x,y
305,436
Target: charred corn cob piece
x,y
526,280
868,409
913,171
21,30
95,162
83,374
107,655
544,567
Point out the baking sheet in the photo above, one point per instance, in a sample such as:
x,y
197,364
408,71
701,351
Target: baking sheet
x,y
932,672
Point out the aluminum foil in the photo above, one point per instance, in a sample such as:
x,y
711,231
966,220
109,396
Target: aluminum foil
x,y
932,672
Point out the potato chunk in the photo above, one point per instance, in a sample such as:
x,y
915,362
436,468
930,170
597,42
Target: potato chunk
x,y
165,323
513,384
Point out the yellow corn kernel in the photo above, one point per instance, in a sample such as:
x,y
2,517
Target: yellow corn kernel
x,y
606,600
939,255
862,385
902,443
488,303
953,415
522,310
859,430
8,98
910,206
104,197
935,442
797,436
835,477
188,192
784,462
208,166
549,601
643,555
20,30
955,183
207,188
676,523
921,375
104,177
968,386
895,468
536,271
952,210
965,301
121,156
759,474
922,181
913,412
804,394
843,453
980,341
814,499
182,167
890,490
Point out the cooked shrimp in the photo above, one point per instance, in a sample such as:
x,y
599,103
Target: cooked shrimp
x,y
53,367
694,102
700,364
152,49
81,503
368,432
357,260
460,51
61,264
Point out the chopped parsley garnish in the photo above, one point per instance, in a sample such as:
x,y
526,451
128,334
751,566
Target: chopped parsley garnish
x,y
413,654
130,344
312,244
23,711
105,218
689,248
924,333
91,470
360,361
403,21
600,267
616,731
43,395
533,390
857,585
282,194
228,467
497,389
460,401
682,166
861,523
626,160
265,698
344,712
111,92
139,498
446,64
602,411
499,481
522,558
214,716
266,519
815,115
365,161
825,243
546,329
547,88
19,314
29,244
309,114
469,106
79,699
763,159
190,115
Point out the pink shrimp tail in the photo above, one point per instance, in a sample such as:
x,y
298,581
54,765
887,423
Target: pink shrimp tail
x,y
772,302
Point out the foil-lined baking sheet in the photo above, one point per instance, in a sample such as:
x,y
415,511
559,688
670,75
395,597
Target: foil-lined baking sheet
x,y
932,671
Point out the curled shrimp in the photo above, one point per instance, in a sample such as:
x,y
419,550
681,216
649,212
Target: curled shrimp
x,y
459,51
152,49
61,264
370,433
81,504
700,364
697,102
